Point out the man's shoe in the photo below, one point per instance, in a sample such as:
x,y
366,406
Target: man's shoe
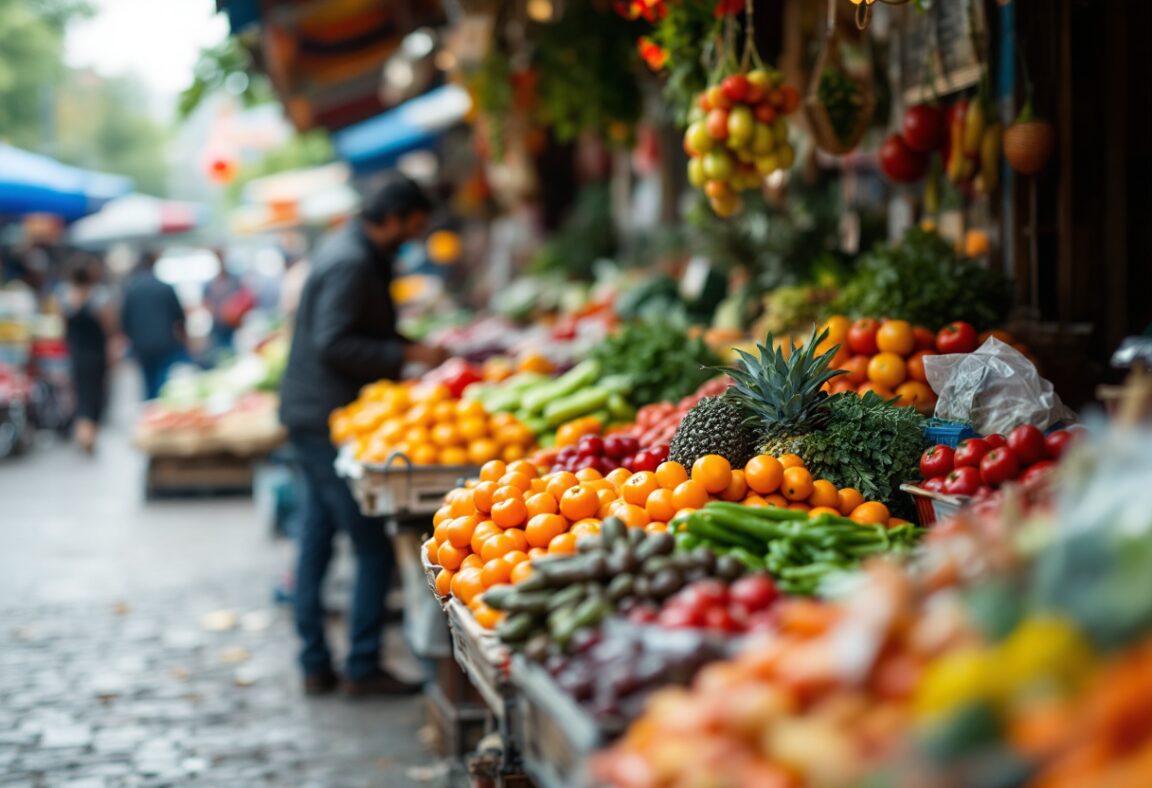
x,y
321,683
379,683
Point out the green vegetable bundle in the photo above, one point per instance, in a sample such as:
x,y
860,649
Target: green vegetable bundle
x,y
923,280
662,362
798,551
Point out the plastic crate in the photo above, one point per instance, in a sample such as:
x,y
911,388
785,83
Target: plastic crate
x,y
398,487
950,433
931,506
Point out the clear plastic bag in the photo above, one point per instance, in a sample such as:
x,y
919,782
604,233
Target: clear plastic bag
x,y
995,389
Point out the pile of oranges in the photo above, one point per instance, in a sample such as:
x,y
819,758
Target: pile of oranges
x,y
886,357
487,532
424,422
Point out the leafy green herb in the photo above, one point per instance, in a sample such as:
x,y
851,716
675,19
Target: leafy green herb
x,y
924,281
662,361
842,100
870,444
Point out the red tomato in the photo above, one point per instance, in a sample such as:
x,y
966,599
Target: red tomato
x,y
937,461
957,337
717,124
996,440
925,339
862,337
970,452
1057,442
680,617
999,466
1042,468
935,484
962,481
753,593
736,87
1027,442
720,618
924,128
901,163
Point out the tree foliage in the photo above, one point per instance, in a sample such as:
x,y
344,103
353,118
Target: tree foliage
x,y
226,66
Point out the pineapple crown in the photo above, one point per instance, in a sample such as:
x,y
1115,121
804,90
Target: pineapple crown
x,y
785,392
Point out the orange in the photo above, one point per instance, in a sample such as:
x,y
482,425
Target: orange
x,y
857,369
419,416
513,452
737,488
496,572
800,507
522,571
712,471
430,550
564,543
620,476
883,392
497,546
671,475
516,557
579,502
607,507
871,513
510,513
525,467
790,461
459,531
606,499
689,495
472,428
560,481
818,510
600,485
487,617
777,500
424,454
837,327
471,560
588,474
471,408
444,412
797,484
505,493
517,479
481,450
656,527
916,394
493,470
538,486
895,336
637,489
499,420
764,473
442,514
887,369
916,365
537,552
430,393
633,516
444,582
450,557
659,505
541,503
482,496
894,522
584,528
519,539
444,435
754,500
453,455
824,493
850,498
460,502
467,585
543,528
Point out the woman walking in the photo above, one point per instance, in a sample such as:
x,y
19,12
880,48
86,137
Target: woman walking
x,y
86,311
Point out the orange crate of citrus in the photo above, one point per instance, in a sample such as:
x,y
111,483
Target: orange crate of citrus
x,y
425,424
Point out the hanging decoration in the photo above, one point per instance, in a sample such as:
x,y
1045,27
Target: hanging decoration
x,y
840,104
864,9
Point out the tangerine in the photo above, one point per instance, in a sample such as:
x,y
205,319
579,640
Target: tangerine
x,y
790,461
471,428
824,493
871,513
818,510
453,455
506,493
737,489
444,582
883,392
849,499
467,585
638,487
659,505
764,473
519,539
754,500
493,470
857,369
449,556
445,435
671,475
588,475
498,571
481,450
579,502
564,544
482,496
797,484
522,571
497,546
895,336
583,528
887,369
689,495
513,452
543,528
483,531
712,471
459,531
777,500
517,479
525,467
619,477
487,617
632,515
541,503
510,513
916,394
916,365
558,482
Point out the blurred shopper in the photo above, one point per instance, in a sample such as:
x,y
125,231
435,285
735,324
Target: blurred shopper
x,y
89,326
153,321
227,301
345,337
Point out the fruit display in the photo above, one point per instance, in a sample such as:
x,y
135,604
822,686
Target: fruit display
x,y
658,358
657,423
737,136
980,465
743,606
609,453
617,571
248,425
424,423
798,548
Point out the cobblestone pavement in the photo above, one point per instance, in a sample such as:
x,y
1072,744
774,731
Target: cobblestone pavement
x,y
139,644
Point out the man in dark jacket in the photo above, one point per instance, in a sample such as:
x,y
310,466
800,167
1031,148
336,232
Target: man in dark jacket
x,y
152,318
345,337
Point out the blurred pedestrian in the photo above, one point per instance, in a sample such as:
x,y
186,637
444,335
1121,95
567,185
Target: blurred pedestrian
x,y
345,337
153,321
90,323
227,301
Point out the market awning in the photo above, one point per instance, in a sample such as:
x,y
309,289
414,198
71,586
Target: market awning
x,y
137,216
414,125
31,183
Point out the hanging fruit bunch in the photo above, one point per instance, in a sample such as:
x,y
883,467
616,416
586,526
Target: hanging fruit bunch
x,y
1029,141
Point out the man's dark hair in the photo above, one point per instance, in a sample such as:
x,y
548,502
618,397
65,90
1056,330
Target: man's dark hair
x,y
80,271
399,197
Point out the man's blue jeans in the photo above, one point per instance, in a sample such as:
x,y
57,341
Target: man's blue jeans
x,y
329,507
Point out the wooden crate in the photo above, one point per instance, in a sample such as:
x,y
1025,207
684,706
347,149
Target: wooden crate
x,y
556,736
212,474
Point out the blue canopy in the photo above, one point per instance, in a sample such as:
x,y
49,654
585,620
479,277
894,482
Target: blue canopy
x,y
30,183
414,125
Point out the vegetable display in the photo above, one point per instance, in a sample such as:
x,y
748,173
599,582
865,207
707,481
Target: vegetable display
x,y
660,361
983,464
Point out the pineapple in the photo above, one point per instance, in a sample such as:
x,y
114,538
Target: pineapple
x,y
781,390
715,425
